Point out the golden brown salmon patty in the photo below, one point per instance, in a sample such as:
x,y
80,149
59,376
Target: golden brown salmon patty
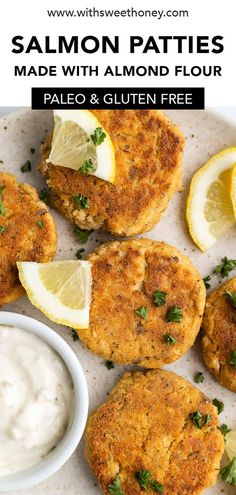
x,y
126,279
219,341
148,150
27,233
148,424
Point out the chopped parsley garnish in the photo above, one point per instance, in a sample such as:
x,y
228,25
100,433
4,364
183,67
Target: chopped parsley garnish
x,y
82,234
143,477
199,420
40,224
225,267
115,487
2,229
98,136
44,196
159,298
142,311
144,480
231,296
81,201
87,167
220,405
170,340
228,473
174,314
74,335
206,281
199,377
2,209
233,359
79,253
26,167
156,486
224,429
109,365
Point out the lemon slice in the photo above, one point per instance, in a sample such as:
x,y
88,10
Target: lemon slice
x,y
230,444
209,206
233,188
73,145
60,289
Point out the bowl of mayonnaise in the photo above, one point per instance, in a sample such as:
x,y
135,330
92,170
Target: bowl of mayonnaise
x,y
43,401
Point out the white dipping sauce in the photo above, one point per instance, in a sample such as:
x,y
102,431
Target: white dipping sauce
x,y
36,399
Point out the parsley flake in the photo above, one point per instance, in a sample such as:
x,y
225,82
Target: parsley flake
x,y
98,136
231,296
2,229
170,340
206,281
74,335
228,473
79,253
174,314
224,429
109,365
81,201
83,235
233,359
40,224
115,487
198,419
225,267
220,405
44,196
142,311
156,486
143,477
159,298
2,209
26,167
199,377
144,480
87,167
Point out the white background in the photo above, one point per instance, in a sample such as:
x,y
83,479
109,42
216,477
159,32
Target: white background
x,y
30,18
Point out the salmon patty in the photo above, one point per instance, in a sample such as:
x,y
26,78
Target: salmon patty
x,y
27,233
156,432
219,341
148,151
147,303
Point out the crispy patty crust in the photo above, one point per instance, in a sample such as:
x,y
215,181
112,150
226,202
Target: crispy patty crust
x,y
146,425
148,150
125,277
219,341
27,233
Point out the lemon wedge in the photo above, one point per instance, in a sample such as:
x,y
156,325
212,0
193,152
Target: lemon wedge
x,y
79,142
233,188
60,289
210,211
230,444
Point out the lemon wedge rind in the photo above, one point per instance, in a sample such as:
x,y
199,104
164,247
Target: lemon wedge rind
x,y
233,187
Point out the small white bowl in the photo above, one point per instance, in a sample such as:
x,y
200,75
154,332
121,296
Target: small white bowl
x,y
53,461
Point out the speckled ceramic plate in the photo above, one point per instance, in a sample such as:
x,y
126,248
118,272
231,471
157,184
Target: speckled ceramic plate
x,y
206,132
